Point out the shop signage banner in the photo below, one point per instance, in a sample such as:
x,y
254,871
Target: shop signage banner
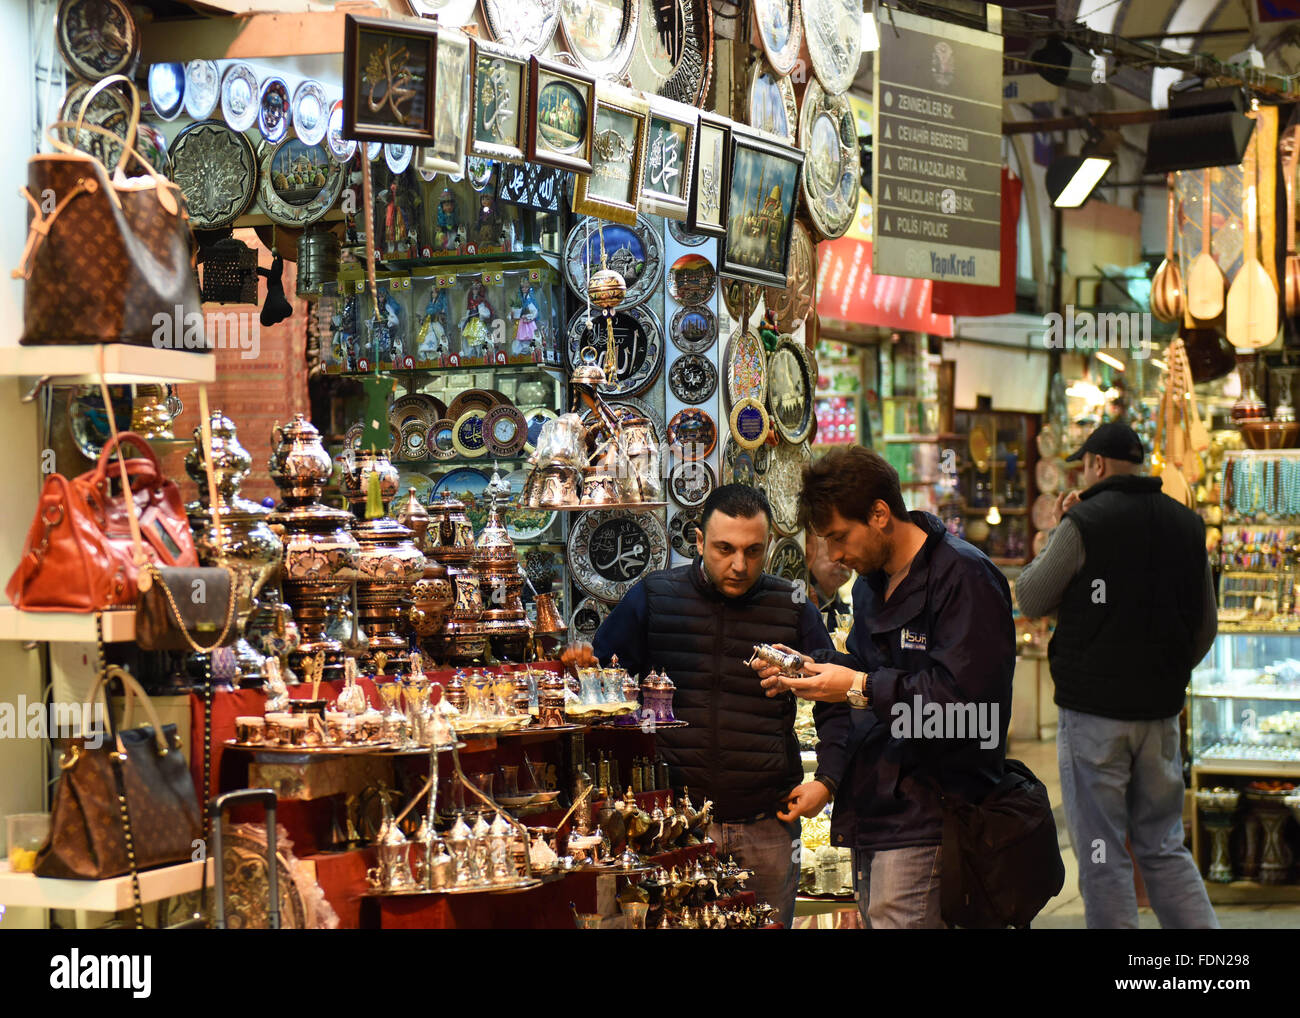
x,y
937,156
849,293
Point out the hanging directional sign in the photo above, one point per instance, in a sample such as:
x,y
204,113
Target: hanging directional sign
x,y
936,168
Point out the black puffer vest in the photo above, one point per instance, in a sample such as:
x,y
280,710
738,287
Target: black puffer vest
x,y
740,749
1123,642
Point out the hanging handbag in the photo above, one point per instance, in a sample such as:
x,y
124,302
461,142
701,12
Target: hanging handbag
x,y
106,255
125,804
188,607
80,553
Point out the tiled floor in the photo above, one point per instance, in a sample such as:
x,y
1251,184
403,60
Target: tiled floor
x,y
1065,911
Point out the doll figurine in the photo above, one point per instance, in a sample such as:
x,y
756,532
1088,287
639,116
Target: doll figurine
x,y
389,347
400,217
432,335
768,331
345,344
474,329
525,312
449,232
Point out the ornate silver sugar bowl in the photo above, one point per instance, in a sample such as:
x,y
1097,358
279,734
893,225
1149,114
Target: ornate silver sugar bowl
x,y
320,553
500,582
450,541
388,566
247,546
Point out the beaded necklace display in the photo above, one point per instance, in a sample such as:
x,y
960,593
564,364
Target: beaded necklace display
x,y
1268,487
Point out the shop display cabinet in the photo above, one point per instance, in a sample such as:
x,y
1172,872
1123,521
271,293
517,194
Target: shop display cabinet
x,y
1244,736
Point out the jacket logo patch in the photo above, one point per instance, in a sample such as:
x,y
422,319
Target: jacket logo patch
x,y
909,640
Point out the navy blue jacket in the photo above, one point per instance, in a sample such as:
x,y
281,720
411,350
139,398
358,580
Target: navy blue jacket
x,y
944,641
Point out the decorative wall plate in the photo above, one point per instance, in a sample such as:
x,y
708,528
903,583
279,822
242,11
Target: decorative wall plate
x,y
341,148
374,149
298,183
762,457
528,524
97,38
397,157
682,529
737,465
673,54
441,444
311,112
1048,441
152,144
783,482
691,482
694,329
239,98
629,406
692,279
415,441
786,560
781,30
794,303
202,88
468,436
692,433
600,34
750,423
611,549
828,133
466,484
1043,513
406,480
273,110
738,296
634,252
744,365
216,171
110,110
471,399
684,236
772,107
587,616
833,29
525,26
638,339
479,171
417,406
505,431
1050,476
791,390
693,378
167,90
534,419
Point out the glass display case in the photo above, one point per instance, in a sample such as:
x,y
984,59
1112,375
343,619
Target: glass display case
x,y
1244,748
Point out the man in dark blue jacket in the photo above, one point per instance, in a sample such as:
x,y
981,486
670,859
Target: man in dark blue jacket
x,y
923,695
699,624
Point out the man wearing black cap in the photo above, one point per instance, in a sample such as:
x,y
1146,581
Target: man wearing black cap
x,y
1127,574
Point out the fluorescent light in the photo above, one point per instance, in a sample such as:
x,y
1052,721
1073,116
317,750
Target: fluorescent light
x,y
1072,179
1106,358
870,35
1157,362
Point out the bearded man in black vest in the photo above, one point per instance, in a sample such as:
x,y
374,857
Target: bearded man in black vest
x,y
699,624
1127,574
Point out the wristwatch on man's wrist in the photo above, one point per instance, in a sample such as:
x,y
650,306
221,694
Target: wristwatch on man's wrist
x,y
859,694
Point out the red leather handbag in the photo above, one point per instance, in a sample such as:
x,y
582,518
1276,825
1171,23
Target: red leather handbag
x,y
79,555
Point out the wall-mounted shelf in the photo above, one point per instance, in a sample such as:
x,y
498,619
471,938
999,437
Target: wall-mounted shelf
x,y
65,627
26,890
123,364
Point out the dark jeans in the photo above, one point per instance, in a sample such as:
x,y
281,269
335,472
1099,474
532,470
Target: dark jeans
x,y
771,849
898,889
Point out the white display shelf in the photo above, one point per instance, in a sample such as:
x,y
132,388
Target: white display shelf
x,y
65,627
1247,768
1246,693
26,890
123,364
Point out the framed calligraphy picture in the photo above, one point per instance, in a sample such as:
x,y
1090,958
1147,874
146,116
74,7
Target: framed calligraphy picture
x,y
612,188
389,80
707,199
499,86
669,157
561,99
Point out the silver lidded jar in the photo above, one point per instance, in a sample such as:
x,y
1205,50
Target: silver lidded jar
x,y
247,546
